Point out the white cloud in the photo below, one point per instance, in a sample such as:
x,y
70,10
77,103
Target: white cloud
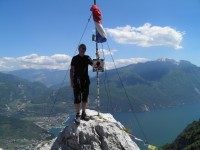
x,y
147,36
57,61
107,52
124,62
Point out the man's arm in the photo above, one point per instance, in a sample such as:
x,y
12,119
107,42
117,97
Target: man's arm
x,y
72,76
90,61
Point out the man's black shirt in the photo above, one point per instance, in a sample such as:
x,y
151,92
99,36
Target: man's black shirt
x,y
81,66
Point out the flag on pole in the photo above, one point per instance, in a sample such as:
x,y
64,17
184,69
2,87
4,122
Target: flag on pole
x,y
97,16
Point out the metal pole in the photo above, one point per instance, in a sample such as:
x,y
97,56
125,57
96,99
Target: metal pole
x,y
97,57
98,97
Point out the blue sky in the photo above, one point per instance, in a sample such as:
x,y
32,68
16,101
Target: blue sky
x,y
45,33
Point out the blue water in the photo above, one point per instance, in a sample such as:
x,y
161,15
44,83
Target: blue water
x,y
159,126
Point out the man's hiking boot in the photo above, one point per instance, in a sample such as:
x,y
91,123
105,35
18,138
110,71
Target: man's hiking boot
x,y
84,117
77,119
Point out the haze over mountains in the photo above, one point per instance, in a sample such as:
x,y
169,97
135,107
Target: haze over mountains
x,y
137,87
45,76
154,84
49,77
150,85
14,88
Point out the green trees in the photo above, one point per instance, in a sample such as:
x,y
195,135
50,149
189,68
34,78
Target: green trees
x,y
189,139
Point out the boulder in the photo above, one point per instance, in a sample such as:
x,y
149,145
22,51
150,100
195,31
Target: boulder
x,y
101,132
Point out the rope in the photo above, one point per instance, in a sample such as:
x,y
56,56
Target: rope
x,y
107,88
84,31
127,95
109,99
108,93
61,85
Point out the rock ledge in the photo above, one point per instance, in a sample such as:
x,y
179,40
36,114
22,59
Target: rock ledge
x,y
101,132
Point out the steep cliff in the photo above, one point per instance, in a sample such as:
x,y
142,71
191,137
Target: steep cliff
x,y
189,139
101,132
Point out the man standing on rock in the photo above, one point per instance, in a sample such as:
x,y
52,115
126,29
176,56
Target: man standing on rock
x,y
80,81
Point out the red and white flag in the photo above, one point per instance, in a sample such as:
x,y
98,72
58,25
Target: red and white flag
x,y
97,16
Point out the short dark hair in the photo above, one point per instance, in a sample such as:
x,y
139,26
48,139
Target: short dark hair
x,y
82,47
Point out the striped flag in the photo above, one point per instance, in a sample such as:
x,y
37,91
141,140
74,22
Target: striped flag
x,y
100,33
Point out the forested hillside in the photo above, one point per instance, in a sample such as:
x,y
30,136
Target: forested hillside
x,y
150,85
187,140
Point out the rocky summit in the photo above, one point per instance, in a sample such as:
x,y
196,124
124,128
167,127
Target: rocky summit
x,y
101,132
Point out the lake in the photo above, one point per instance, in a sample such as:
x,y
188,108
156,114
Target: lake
x,y
160,126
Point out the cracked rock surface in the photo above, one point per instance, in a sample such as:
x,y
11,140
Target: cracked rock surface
x,y
101,132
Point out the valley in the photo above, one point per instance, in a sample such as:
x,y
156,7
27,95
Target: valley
x,y
145,87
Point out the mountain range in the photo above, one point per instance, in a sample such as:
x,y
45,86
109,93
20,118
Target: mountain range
x,y
150,85
137,87
13,88
49,77
46,76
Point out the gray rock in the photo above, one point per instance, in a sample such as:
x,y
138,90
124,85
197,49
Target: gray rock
x,y
101,132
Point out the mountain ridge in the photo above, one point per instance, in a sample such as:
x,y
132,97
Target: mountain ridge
x,y
48,77
149,85
14,87
153,84
188,139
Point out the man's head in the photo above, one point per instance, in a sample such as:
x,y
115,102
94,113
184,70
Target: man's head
x,y
82,48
